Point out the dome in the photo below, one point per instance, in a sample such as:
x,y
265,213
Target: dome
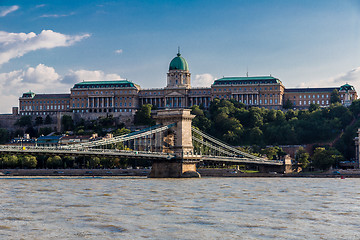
x,y
179,63
346,87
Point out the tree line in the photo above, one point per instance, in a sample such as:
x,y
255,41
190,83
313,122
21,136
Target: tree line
x,y
58,162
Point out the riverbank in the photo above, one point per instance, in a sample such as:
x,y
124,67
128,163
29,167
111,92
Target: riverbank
x,y
353,173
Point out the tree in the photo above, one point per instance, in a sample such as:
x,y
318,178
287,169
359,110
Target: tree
x,y
143,115
48,119
355,107
323,159
313,107
68,162
54,162
302,157
10,161
94,162
4,136
335,96
45,131
24,121
39,120
273,153
121,131
28,161
288,104
67,123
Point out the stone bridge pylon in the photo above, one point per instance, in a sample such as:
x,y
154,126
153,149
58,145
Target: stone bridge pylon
x,y
178,142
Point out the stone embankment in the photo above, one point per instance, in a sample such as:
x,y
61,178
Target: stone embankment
x,y
74,172
204,172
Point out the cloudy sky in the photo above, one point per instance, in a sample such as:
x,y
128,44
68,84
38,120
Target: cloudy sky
x,y
47,46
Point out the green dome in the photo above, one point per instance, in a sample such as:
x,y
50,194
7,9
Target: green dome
x,y
346,87
179,63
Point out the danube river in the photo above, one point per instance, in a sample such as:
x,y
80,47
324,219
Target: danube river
x,y
206,208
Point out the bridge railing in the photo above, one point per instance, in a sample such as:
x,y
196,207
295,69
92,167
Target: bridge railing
x,y
127,137
61,149
229,151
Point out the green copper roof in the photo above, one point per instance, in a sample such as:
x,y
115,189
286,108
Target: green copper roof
x,y
104,84
28,94
179,63
346,87
246,80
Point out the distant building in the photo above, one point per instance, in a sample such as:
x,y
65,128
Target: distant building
x,y
48,141
123,98
302,97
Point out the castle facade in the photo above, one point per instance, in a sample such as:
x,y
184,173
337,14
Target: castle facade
x,y
123,98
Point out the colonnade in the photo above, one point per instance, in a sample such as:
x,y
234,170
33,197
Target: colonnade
x,y
100,102
247,99
200,101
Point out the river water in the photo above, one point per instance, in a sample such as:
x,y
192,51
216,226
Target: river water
x,y
206,208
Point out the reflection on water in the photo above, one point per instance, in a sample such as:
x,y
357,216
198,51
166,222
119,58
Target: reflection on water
x,y
207,208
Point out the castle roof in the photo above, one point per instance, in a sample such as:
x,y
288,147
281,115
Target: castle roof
x,y
105,84
247,80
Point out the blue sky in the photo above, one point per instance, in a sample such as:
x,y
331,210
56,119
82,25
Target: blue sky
x,y
47,46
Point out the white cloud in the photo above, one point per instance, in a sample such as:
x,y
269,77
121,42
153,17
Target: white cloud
x,y
351,77
119,51
40,5
6,10
81,75
13,45
203,80
56,15
40,74
41,79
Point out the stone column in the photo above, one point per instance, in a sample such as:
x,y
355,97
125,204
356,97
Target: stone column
x,y
183,165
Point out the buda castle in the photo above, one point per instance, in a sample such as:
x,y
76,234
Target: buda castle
x,y
121,98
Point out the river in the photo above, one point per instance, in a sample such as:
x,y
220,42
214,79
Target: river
x,y
206,208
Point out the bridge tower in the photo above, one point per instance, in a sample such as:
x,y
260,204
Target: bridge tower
x,y
184,164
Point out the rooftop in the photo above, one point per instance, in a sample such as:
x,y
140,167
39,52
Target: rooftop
x,y
310,90
105,84
179,63
45,96
247,80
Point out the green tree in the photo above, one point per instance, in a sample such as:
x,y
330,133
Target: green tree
x,y
121,131
10,161
288,104
323,159
143,115
335,96
355,107
39,120
68,162
54,162
273,153
290,114
94,162
48,119
67,123
45,131
313,107
28,161
4,136
24,121
302,157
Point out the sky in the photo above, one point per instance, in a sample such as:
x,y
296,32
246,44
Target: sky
x,y
47,46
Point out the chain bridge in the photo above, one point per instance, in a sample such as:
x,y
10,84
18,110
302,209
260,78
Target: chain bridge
x,y
173,145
